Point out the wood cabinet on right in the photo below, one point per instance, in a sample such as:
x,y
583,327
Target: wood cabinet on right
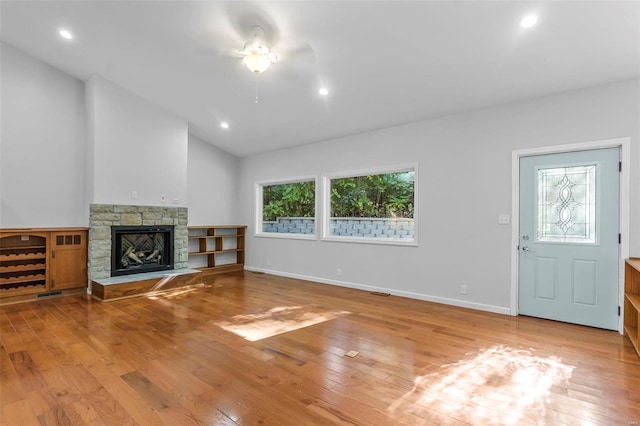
x,y
632,301
68,259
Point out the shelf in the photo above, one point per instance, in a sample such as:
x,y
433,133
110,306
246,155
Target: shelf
x,y
223,268
22,279
21,268
634,263
634,299
198,237
211,247
196,253
22,290
32,248
218,227
632,334
22,256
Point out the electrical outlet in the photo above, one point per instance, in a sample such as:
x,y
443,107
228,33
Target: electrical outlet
x,y
504,219
176,201
463,289
339,272
134,195
268,261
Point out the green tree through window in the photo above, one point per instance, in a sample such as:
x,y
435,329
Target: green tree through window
x,y
288,200
379,205
388,195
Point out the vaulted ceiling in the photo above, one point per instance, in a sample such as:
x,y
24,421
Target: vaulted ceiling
x,y
384,63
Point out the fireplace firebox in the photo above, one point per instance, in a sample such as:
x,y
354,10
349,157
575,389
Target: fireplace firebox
x,y
137,249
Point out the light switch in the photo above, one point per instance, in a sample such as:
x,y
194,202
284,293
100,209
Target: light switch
x,y
504,219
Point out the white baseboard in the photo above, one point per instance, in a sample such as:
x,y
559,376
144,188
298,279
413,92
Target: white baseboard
x,y
419,296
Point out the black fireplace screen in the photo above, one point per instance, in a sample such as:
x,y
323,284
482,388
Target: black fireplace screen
x,y
136,249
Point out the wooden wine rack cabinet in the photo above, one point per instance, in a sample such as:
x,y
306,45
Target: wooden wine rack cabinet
x,y
42,261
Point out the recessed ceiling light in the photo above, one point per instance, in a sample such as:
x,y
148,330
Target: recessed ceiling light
x,y
66,34
224,125
529,21
323,91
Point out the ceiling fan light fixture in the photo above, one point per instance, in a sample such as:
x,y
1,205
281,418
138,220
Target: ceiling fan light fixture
x,y
257,62
66,34
529,21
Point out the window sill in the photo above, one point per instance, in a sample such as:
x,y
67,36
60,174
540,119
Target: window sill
x,y
288,236
384,241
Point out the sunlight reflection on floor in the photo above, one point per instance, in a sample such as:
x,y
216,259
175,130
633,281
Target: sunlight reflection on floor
x,y
173,293
499,385
278,320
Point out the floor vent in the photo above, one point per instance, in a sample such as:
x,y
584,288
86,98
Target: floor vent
x,y
379,293
49,294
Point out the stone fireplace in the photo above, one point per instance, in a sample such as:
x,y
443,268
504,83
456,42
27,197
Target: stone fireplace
x,y
138,249
145,229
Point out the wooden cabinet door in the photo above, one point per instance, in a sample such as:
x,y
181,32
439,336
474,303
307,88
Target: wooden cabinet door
x,y
68,260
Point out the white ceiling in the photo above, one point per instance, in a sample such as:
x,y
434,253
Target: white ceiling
x,y
385,62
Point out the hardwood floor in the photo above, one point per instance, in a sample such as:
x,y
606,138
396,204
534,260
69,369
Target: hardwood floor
x,y
248,348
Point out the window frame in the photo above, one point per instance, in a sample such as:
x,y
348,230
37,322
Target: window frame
x,y
259,197
326,205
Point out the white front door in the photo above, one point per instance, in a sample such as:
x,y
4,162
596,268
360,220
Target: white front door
x,y
569,237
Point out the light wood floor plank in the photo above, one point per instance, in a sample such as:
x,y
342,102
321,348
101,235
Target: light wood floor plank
x,y
167,360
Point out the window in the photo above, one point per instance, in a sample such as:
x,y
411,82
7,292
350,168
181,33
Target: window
x,y
287,209
371,206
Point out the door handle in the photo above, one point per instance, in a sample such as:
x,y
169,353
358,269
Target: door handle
x,y
525,248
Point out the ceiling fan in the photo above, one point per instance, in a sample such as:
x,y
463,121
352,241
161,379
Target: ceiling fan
x,y
257,55
250,34
263,41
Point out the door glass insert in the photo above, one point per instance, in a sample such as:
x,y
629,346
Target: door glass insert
x,y
567,204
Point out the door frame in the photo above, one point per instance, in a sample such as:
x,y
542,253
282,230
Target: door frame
x,y
624,144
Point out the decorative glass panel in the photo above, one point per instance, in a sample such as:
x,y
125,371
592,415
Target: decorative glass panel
x,y
567,204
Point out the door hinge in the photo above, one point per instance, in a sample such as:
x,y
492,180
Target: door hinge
x,y
620,166
619,238
53,283
618,310
53,254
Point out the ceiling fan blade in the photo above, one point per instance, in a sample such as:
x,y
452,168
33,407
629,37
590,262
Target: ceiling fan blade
x,y
244,16
234,27
295,51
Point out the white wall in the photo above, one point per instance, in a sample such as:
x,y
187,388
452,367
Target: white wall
x,y
134,146
41,144
212,185
464,183
65,144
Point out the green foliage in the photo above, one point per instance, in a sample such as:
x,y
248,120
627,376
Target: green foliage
x,y
383,195
288,200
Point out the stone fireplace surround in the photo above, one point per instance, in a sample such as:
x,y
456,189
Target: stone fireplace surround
x,y
103,216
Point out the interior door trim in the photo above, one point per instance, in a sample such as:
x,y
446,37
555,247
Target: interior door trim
x,y
624,144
